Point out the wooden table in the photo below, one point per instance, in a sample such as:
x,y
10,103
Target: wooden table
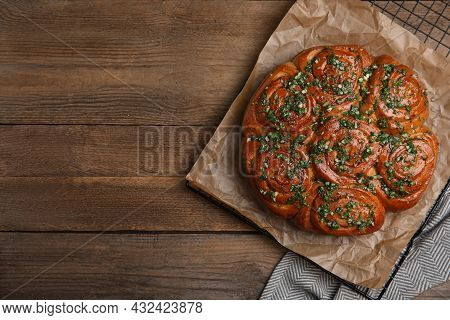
x,y
82,215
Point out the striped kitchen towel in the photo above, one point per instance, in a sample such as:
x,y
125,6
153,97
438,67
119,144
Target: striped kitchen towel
x,y
427,264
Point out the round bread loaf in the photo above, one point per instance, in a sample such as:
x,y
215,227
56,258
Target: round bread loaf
x,y
335,137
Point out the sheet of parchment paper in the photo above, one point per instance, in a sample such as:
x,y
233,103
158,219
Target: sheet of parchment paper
x,y
364,260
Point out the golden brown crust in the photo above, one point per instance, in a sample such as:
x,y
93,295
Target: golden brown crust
x,y
340,211
351,153
319,131
396,97
278,176
405,169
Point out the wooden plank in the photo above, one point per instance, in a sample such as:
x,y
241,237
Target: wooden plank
x,y
129,266
72,63
104,203
145,34
126,96
440,292
60,150
141,266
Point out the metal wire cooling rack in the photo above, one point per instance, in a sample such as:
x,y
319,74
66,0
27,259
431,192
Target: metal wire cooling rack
x,y
428,20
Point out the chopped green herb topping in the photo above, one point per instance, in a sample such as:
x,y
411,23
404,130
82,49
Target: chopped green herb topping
x,y
335,62
298,82
324,210
298,195
326,191
308,67
343,88
382,123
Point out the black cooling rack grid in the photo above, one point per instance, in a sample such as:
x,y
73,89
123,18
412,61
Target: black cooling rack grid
x,y
428,20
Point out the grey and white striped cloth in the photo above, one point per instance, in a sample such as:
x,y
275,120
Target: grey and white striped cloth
x,y
427,264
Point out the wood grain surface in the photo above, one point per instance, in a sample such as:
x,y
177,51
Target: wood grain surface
x,y
136,266
100,150
103,110
105,203
153,63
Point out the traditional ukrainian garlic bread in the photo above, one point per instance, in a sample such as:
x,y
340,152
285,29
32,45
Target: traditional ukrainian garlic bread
x,y
335,137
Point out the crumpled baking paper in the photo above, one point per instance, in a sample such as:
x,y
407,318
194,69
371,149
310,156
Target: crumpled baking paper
x,y
364,260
